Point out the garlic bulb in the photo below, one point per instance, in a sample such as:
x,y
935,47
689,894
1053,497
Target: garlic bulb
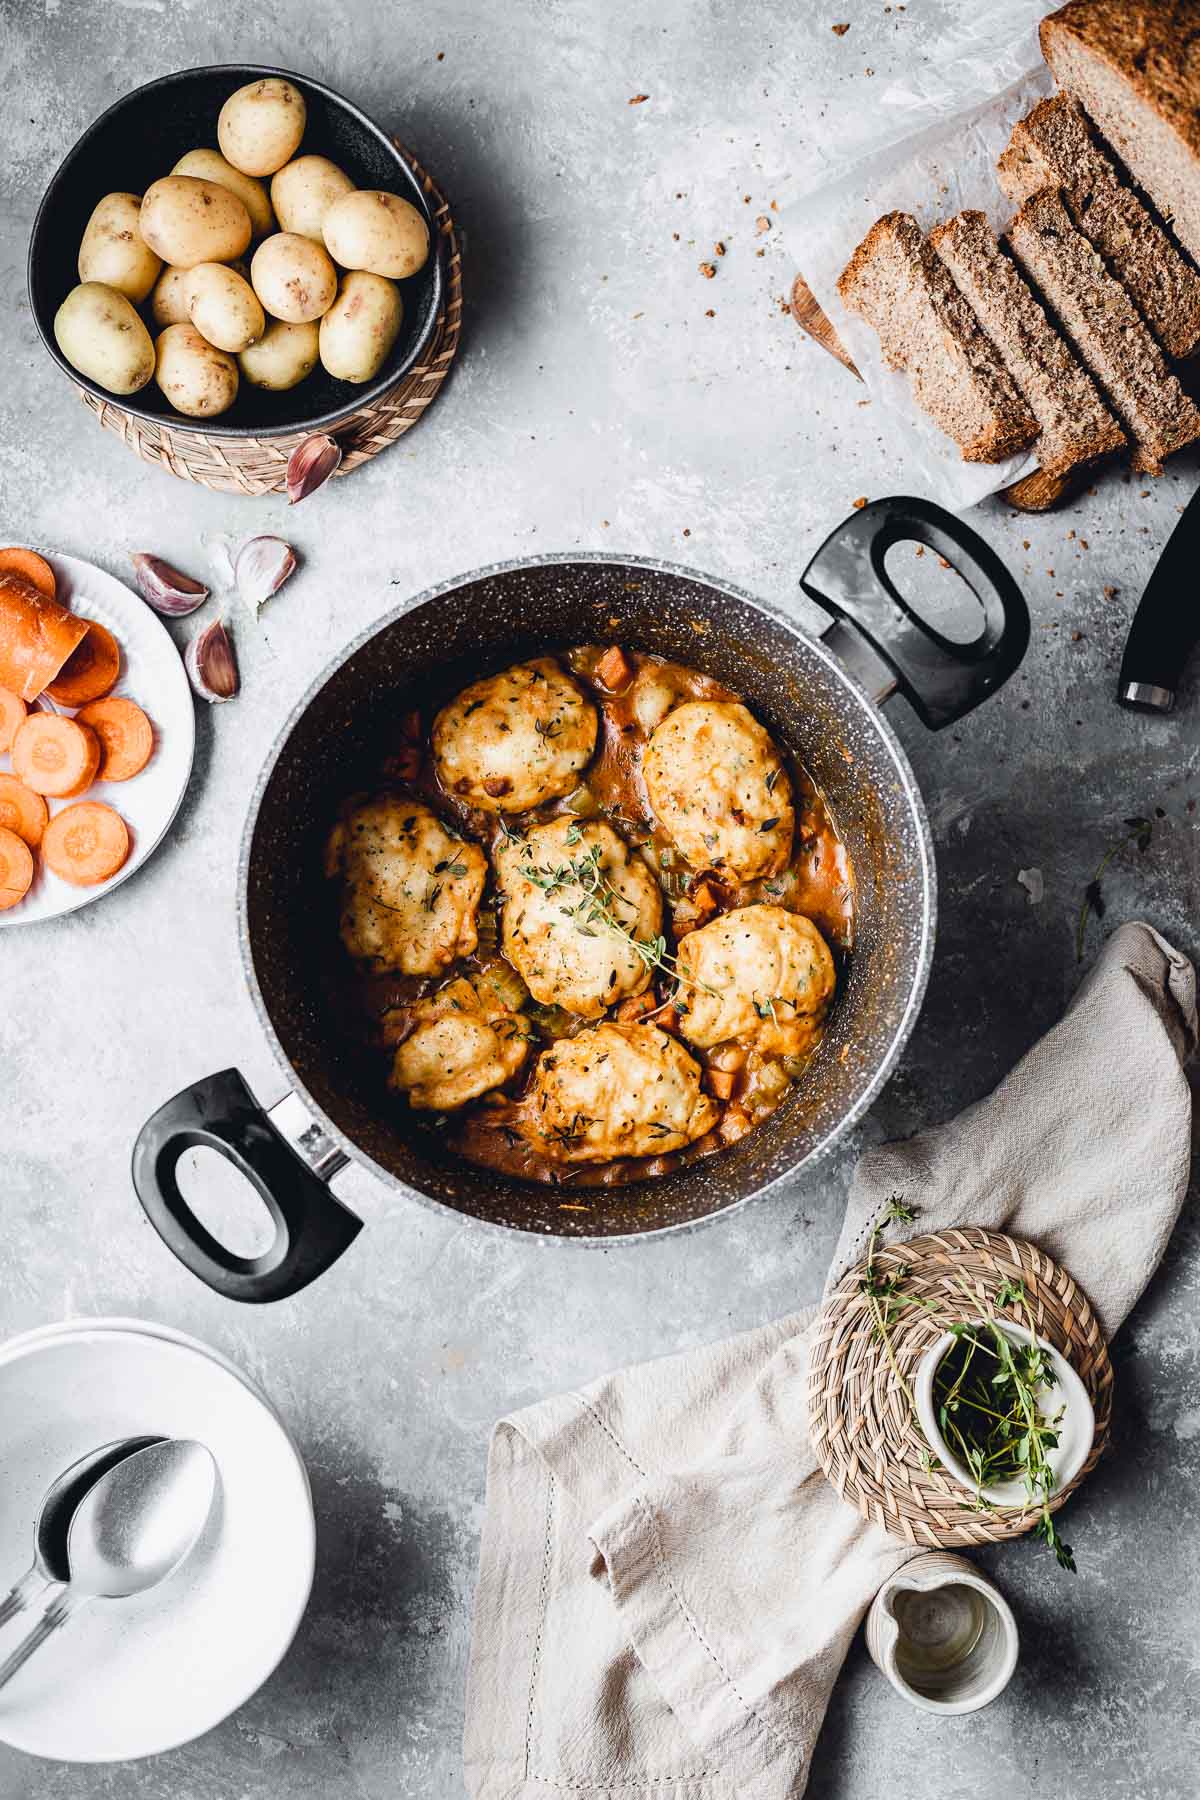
x,y
165,588
211,664
262,566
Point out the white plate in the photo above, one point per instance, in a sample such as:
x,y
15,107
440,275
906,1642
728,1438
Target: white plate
x,y
152,673
130,1678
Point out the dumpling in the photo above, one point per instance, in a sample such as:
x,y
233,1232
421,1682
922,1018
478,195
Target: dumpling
x,y
618,1090
759,974
511,741
453,1046
717,784
574,897
410,890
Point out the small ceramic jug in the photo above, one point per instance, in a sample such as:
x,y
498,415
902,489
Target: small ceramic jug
x,y
943,1636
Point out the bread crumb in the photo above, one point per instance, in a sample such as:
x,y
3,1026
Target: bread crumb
x,y
762,223
942,563
1110,593
718,249
861,501
639,99
710,312
441,56
687,531
707,270
920,549
839,30
1024,543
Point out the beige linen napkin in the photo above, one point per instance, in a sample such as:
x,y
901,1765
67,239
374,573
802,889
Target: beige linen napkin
x,y
668,1585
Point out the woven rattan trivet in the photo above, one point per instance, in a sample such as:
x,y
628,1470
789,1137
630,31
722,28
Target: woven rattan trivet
x,y
259,465
864,1434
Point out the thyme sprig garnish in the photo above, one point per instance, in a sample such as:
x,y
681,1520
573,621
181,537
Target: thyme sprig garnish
x,y
1138,832
987,1390
597,908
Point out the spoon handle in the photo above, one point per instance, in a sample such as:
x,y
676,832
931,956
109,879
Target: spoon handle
x,y
57,1613
23,1594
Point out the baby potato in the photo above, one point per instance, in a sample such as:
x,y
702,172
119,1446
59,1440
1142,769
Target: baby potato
x,y
187,221
260,126
210,165
293,277
197,378
378,232
303,191
169,300
361,326
99,333
282,357
113,251
224,307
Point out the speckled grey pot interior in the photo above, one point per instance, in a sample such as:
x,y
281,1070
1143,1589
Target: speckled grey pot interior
x,y
421,656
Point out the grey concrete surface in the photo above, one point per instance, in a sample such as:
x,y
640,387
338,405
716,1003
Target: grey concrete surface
x,y
596,405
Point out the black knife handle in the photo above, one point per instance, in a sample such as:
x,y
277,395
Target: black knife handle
x,y
939,678
1166,624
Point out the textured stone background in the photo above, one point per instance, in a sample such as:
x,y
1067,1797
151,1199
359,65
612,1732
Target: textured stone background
x,y
595,405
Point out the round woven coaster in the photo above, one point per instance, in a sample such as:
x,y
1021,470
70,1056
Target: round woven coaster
x,y
259,465
864,1433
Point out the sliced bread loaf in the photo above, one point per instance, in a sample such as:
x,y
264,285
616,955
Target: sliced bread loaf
x,y
1076,426
1054,147
1135,66
901,287
1106,329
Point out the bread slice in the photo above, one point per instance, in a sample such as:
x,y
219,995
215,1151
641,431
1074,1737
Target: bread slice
x,y
1076,426
1104,325
901,287
1134,66
1054,147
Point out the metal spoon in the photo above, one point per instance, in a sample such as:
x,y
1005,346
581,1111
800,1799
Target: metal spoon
x,y
130,1531
50,1529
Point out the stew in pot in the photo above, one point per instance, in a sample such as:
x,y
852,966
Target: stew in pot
x,y
593,919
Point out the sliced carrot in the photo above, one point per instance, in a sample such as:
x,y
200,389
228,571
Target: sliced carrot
x,y
12,714
16,869
37,635
90,670
614,669
126,736
22,811
33,567
55,756
86,843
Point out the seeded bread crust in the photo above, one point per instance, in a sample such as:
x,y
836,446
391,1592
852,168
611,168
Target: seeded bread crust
x,y
1076,426
1053,147
1135,67
1106,330
899,285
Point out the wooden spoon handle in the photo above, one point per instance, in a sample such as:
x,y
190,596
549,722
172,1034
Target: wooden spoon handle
x,y
808,315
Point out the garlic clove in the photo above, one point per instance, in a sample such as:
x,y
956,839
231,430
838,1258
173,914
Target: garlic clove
x,y
211,664
164,588
310,465
261,568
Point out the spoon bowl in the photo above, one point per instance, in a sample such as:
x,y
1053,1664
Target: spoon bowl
x,y
136,1525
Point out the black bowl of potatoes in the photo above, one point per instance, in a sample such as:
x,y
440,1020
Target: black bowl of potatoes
x,y
236,251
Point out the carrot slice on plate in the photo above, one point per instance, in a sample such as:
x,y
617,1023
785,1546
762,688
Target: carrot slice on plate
x,y
12,714
22,811
126,736
55,756
16,869
33,567
86,843
90,670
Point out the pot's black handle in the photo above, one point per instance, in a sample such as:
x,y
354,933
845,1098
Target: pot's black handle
x,y
312,1227
940,679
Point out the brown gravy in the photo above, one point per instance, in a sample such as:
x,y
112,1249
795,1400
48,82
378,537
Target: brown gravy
x,y
819,882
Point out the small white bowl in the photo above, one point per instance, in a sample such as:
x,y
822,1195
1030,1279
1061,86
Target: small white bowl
x,y
1076,1429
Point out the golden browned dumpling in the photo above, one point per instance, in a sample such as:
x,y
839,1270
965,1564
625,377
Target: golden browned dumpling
x,y
574,900
717,785
618,1090
456,1044
410,889
758,974
509,742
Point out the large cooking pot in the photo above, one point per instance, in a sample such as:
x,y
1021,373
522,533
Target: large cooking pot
x,y
809,702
